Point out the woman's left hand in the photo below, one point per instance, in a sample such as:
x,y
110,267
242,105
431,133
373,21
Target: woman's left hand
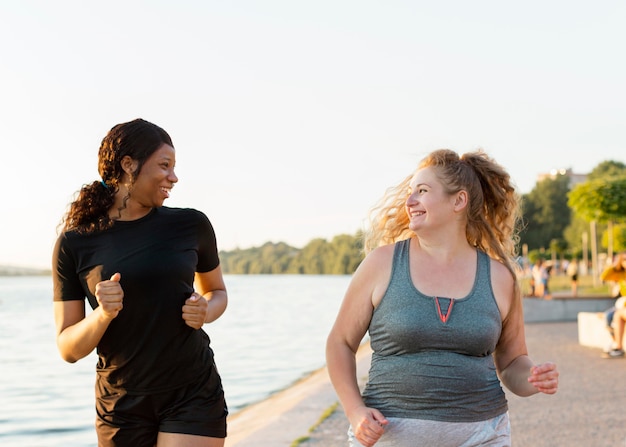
x,y
195,310
545,378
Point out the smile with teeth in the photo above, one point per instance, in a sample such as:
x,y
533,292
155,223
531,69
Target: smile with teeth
x,y
166,191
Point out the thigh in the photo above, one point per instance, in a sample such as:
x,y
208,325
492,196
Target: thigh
x,y
122,419
198,409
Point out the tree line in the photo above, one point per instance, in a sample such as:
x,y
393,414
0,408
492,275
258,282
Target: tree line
x,y
556,220
339,256
557,216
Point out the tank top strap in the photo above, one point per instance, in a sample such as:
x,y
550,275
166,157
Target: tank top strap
x,y
484,268
400,267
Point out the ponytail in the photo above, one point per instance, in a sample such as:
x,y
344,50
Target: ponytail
x,y
90,211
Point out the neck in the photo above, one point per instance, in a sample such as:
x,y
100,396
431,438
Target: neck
x,y
128,209
444,244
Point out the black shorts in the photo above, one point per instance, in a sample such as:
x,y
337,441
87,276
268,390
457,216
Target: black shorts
x,y
135,420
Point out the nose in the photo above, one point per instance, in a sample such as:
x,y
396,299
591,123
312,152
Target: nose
x,y
172,177
411,199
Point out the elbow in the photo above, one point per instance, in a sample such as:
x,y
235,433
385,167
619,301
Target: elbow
x,y
527,393
66,354
68,357
224,303
518,385
336,345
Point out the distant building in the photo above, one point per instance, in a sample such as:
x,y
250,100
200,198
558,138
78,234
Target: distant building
x,y
574,179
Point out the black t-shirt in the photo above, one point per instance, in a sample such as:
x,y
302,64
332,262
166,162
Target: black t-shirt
x,y
147,347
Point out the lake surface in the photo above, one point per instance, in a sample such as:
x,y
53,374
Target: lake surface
x,y
272,334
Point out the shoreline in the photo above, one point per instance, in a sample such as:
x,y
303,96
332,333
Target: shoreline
x,y
289,414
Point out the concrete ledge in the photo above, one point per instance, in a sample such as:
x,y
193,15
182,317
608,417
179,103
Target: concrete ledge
x,y
592,330
289,414
563,308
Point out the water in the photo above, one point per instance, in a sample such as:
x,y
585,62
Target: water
x,y
272,334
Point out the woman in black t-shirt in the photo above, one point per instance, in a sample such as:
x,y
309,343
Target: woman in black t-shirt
x,y
152,276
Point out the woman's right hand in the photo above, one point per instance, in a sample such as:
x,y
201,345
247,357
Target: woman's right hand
x,y
110,296
368,425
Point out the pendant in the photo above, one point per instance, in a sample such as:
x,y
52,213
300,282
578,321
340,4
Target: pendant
x,y
444,317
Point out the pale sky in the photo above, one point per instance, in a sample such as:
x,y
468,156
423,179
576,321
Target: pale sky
x,y
291,118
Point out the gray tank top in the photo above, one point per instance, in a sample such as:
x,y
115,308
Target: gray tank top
x,y
432,355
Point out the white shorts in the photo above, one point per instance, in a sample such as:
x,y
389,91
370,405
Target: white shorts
x,y
402,432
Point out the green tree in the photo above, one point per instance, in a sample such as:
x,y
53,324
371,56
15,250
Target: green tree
x,y
606,169
341,256
545,213
573,235
346,254
619,238
312,257
601,199
574,232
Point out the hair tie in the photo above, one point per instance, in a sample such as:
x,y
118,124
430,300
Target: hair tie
x,y
104,184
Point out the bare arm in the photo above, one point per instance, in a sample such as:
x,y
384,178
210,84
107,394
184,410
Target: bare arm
x,y
343,342
209,302
77,336
364,292
516,369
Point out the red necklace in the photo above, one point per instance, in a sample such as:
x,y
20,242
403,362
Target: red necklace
x,y
442,317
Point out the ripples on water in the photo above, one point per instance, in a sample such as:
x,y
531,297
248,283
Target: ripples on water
x,y
272,334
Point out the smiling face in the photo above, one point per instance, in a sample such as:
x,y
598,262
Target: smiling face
x,y
428,203
156,178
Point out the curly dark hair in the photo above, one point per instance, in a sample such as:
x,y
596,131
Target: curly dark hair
x,y
138,139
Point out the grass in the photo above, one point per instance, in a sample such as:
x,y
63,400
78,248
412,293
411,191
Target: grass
x,y
325,415
562,283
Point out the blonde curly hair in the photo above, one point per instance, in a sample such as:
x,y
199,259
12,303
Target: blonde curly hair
x,y
493,211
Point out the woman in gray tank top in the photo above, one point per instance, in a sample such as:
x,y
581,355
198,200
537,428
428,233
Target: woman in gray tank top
x,y
438,294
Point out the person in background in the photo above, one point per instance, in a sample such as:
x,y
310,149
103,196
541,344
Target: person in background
x,y
152,276
439,295
616,315
541,277
538,272
572,273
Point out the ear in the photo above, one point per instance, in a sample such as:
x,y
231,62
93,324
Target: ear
x,y
461,200
128,165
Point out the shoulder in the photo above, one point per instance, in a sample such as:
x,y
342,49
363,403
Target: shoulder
x,y
67,249
374,272
70,238
182,213
502,284
379,257
500,273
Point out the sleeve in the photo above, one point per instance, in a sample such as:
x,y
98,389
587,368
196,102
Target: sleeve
x,y
208,258
65,280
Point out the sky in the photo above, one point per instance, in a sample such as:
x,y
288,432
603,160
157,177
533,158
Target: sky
x,y
290,119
